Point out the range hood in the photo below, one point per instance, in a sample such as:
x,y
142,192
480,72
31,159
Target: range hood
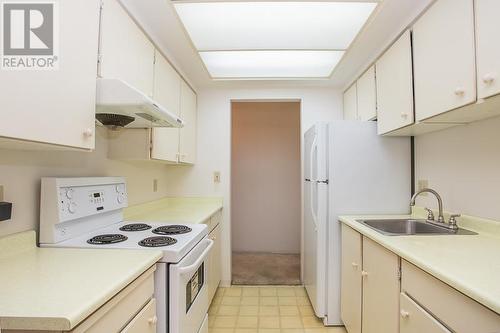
x,y
119,105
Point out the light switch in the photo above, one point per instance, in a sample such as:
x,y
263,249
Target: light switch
x,y
217,177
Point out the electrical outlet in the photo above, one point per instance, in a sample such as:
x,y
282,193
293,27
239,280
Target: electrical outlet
x,y
216,176
155,185
423,183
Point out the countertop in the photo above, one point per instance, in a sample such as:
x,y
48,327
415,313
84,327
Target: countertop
x,y
178,210
56,289
468,263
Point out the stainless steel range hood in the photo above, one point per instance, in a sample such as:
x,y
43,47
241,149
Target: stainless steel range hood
x,y
119,105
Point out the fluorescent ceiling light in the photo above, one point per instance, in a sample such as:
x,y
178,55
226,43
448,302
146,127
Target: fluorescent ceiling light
x,y
271,64
273,25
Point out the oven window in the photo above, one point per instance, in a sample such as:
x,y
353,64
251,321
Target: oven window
x,y
194,286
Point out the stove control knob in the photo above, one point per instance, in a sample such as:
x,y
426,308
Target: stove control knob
x,y
72,207
69,193
119,188
121,198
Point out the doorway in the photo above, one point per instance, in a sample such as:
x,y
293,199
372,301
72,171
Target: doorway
x,y
265,192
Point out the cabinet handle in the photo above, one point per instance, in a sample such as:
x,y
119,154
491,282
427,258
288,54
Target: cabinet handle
x,y
459,91
404,314
355,265
488,78
364,273
153,320
89,132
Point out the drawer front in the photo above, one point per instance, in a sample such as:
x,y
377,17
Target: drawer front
x,y
414,319
457,311
145,321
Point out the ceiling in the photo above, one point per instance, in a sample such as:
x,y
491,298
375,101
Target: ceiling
x,y
161,21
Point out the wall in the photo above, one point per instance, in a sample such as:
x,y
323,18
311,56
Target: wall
x,y
265,177
20,173
462,164
214,150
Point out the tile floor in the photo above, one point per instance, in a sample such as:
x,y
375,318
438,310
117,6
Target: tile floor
x,y
264,309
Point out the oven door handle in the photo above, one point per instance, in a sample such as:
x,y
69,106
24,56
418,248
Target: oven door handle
x,y
193,267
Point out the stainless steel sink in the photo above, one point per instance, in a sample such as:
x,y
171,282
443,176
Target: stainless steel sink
x,y
400,227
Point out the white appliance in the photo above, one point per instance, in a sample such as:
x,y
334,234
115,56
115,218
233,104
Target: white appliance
x,y
349,169
88,213
119,104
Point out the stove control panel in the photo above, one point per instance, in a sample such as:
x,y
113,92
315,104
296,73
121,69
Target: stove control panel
x,y
82,201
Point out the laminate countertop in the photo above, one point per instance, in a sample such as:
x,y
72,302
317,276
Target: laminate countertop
x,y
468,263
55,288
175,210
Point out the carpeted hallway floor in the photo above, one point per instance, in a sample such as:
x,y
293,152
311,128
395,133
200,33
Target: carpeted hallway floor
x,y
265,269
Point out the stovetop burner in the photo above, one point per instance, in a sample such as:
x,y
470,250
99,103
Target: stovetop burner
x,y
157,241
107,239
135,227
172,230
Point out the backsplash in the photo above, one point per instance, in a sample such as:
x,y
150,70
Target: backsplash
x,y
20,173
462,164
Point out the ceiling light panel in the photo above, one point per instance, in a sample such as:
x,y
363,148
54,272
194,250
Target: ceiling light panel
x,y
273,25
270,64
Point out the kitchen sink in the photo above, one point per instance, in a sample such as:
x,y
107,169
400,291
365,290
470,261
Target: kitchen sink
x,y
401,227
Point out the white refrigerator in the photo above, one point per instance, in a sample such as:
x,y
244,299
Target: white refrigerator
x,y
348,169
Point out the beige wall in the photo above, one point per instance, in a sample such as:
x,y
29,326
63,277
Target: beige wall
x,y
20,173
265,177
463,165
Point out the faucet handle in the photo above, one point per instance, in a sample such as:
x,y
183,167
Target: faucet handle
x,y
453,219
430,214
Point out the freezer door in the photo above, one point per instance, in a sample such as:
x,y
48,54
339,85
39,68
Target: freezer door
x,y
315,218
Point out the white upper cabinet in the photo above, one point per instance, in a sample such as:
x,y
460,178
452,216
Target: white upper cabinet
x,y
395,86
444,58
57,106
167,92
367,95
126,53
187,145
488,48
351,103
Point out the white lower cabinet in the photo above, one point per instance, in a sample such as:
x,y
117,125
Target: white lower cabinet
x,y
414,319
214,262
145,321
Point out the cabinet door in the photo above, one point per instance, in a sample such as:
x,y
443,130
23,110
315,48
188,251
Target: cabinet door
x,y
380,289
395,86
351,103
57,106
350,293
488,48
444,58
126,53
167,92
187,145
414,319
367,95
145,321
215,268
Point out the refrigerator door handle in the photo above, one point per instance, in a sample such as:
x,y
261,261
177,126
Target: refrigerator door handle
x,y
314,147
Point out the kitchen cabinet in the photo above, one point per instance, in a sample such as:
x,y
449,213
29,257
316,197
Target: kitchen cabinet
x,y
380,289
367,95
351,279
214,262
187,141
167,92
395,86
130,59
56,106
414,319
444,58
488,50
351,103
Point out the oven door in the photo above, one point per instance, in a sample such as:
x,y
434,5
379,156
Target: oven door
x,y
188,290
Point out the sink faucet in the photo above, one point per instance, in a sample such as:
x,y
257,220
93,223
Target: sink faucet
x,y
438,197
